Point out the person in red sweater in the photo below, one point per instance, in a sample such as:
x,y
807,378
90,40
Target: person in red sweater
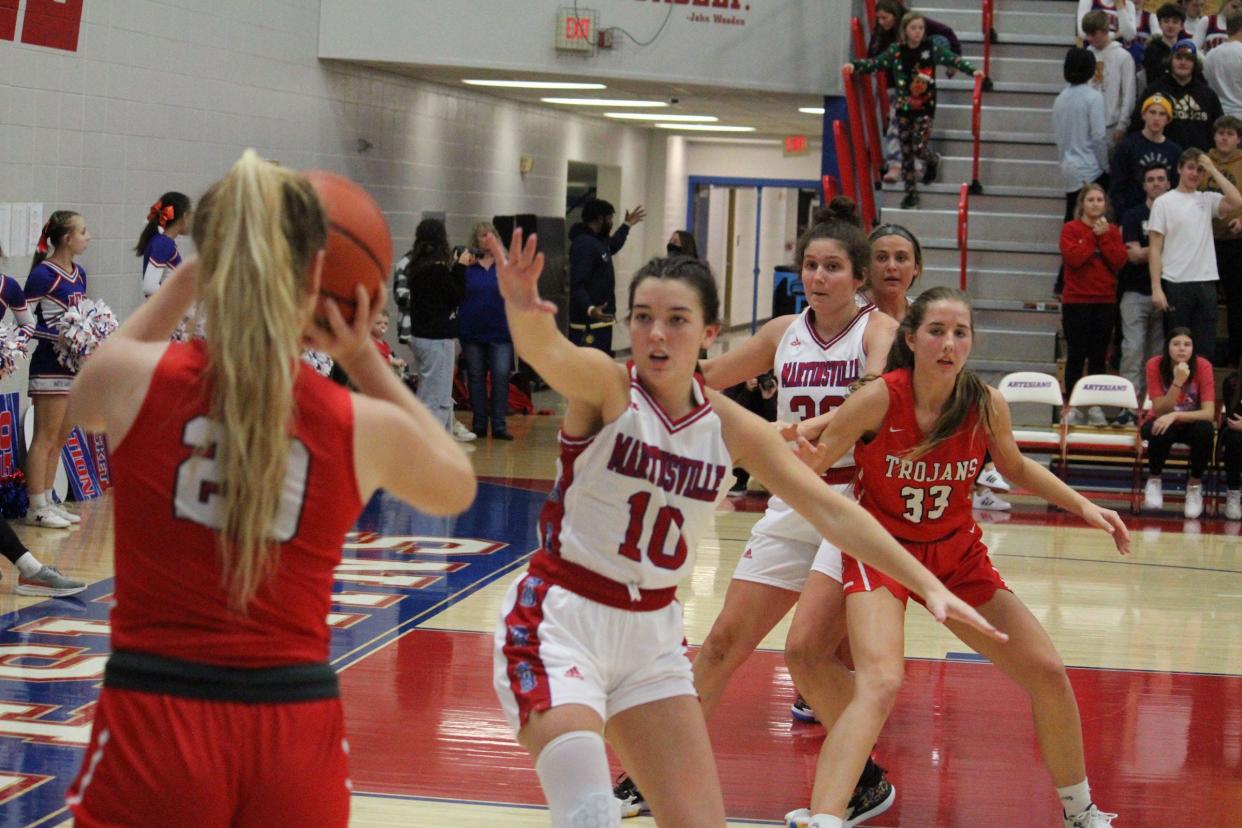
x,y
1094,253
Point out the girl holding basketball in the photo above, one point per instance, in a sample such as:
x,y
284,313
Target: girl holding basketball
x,y
230,518
167,219
590,639
55,284
919,437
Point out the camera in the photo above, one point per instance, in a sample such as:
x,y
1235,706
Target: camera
x,y
767,382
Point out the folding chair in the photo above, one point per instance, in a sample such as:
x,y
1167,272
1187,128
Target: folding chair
x,y
1034,387
1094,443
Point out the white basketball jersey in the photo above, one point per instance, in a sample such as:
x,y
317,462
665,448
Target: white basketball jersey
x,y
631,502
814,376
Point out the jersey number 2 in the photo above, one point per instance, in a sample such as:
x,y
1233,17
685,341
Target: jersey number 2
x,y
200,482
665,518
914,496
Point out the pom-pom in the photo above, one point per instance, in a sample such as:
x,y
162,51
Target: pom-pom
x,y
14,347
13,499
321,362
82,329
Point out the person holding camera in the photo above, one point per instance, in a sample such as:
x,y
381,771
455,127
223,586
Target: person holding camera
x,y
592,280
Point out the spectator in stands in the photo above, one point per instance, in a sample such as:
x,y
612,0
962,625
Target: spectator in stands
x,y
1194,13
430,288
1227,230
1183,408
592,280
1195,105
1181,258
1078,123
682,243
1119,13
888,13
1171,20
485,340
1213,30
1114,74
1093,252
1223,68
1137,151
1142,326
1231,443
913,62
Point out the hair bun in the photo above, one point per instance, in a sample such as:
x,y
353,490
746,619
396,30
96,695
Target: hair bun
x,y
840,208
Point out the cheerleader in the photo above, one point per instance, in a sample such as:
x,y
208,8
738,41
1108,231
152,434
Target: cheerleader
x,y
55,284
167,219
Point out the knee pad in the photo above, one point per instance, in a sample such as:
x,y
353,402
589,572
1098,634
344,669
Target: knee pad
x,y
573,770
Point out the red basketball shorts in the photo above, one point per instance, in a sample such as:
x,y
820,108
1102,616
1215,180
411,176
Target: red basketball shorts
x,y
960,562
156,759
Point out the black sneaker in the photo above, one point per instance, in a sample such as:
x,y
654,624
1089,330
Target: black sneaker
x,y
910,201
802,711
632,803
1125,419
870,801
931,170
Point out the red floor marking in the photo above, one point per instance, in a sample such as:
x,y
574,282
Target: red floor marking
x,y
1162,749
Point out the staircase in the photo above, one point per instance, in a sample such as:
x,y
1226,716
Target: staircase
x,y
1015,224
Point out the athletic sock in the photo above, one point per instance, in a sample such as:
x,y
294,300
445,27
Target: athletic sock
x,y
28,565
1075,798
38,500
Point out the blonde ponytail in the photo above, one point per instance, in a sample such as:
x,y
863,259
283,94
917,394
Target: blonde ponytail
x,y
257,232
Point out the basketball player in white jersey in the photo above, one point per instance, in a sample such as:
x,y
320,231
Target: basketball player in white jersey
x,y
590,639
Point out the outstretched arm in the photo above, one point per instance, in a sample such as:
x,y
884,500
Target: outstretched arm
x,y
586,375
1026,473
758,448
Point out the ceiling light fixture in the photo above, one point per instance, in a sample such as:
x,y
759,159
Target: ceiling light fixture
x,y
661,116
601,102
811,110
520,84
707,127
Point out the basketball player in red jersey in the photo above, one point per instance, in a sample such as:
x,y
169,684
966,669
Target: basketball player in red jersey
x,y
590,641
919,435
237,472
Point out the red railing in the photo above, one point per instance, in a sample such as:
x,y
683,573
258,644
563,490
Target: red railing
x,y
845,164
871,123
963,231
989,33
829,185
976,129
871,14
862,167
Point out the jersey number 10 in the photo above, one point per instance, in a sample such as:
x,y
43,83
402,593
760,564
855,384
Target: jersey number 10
x,y
665,518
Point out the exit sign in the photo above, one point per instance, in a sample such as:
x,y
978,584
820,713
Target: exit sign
x,y
575,32
796,145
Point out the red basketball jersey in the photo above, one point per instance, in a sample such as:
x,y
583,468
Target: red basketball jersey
x,y
924,499
170,595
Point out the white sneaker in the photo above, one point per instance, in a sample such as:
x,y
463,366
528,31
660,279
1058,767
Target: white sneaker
x,y
1233,504
46,518
462,434
798,819
1193,506
992,479
1096,418
1093,817
65,513
989,501
1153,494
1073,417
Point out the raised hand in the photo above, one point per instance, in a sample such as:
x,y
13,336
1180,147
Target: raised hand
x,y
636,215
518,273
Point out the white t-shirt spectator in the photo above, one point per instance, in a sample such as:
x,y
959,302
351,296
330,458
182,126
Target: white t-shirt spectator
x,y
1223,68
1185,221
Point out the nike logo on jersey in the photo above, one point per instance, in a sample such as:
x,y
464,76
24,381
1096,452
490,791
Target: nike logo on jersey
x,y
892,430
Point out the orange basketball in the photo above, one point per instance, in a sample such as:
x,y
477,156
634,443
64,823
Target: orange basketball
x,y
359,249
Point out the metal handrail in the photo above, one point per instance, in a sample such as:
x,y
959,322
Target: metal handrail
x,y
871,123
830,189
989,35
861,166
963,231
845,164
976,129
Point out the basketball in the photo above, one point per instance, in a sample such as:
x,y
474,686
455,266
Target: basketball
x,y
359,249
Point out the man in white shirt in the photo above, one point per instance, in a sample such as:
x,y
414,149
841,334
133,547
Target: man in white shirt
x,y
1223,67
1181,256
1114,73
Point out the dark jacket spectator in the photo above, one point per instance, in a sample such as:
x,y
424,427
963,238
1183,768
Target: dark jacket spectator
x,y
592,279
1195,106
